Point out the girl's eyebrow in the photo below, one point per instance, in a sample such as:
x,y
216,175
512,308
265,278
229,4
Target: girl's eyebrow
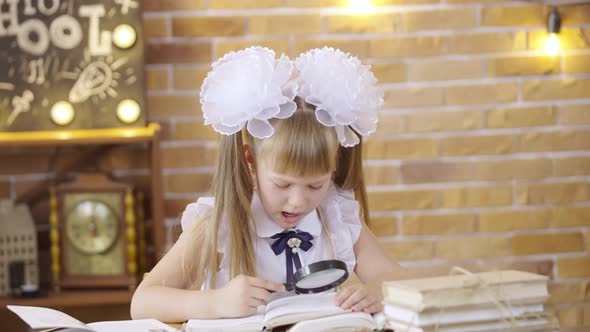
x,y
291,179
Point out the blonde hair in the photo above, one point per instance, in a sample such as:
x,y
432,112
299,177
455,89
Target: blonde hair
x,y
300,146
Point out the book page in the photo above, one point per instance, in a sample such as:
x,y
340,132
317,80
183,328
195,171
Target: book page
x,y
536,324
458,297
251,323
461,315
45,318
140,325
321,299
279,312
424,285
351,321
300,307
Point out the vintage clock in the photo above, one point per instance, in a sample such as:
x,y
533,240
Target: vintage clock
x,y
93,234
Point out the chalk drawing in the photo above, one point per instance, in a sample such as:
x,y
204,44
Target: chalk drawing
x,y
99,78
21,105
36,72
95,79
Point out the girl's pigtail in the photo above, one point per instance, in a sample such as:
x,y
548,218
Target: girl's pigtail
x,y
232,187
349,175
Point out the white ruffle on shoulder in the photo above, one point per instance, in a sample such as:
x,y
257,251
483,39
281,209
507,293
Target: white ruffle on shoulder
x,y
342,218
340,213
195,211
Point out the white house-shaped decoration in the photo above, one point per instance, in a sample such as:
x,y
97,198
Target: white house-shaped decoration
x,y
18,242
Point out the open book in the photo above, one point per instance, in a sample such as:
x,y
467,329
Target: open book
x,y
304,312
45,319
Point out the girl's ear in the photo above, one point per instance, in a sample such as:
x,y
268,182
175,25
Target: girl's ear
x,y
249,154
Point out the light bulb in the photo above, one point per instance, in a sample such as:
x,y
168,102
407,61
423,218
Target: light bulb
x,y
128,111
124,36
62,113
552,44
361,6
553,28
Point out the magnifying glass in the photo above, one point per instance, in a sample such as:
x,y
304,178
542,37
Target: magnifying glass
x,y
318,277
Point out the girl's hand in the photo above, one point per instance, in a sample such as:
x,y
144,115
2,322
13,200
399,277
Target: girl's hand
x,y
358,298
242,295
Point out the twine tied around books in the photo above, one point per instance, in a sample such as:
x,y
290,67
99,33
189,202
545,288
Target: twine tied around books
x,y
503,304
474,281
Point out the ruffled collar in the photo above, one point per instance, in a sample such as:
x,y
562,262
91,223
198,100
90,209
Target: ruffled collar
x,y
265,226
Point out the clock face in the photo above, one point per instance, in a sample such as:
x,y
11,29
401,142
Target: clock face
x,y
94,243
92,226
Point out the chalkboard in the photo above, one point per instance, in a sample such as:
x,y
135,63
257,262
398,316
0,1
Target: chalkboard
x,y
62,51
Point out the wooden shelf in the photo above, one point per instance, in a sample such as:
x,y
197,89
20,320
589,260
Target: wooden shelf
x,y
73,298
77,137
149,134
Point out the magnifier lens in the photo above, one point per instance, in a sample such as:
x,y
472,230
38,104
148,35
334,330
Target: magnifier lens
x,y
320,278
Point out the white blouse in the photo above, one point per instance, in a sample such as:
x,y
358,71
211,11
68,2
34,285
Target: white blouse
x,y
341,215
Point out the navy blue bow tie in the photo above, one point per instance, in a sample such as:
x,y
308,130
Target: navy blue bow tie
x,y
291,241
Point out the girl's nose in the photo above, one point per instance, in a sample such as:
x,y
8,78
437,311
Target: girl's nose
x,y
297,199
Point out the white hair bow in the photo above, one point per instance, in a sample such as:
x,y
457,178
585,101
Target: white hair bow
x,y
250,87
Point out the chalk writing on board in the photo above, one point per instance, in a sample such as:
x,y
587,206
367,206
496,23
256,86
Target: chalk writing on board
x,y
63,50
126,4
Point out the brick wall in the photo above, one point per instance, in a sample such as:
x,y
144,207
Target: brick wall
x,y
482,155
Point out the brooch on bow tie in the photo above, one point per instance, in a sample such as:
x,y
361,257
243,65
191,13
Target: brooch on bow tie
x,y
294,244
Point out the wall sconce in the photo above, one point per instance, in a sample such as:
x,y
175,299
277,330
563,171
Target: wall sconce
x,y
128,111
62,113
553,27
124,36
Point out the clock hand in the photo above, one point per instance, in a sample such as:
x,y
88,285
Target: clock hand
x,y
93,228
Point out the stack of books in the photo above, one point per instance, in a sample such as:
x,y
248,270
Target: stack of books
x,y
489,301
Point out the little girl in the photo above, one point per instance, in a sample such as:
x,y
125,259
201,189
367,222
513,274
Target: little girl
x,y
290,167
